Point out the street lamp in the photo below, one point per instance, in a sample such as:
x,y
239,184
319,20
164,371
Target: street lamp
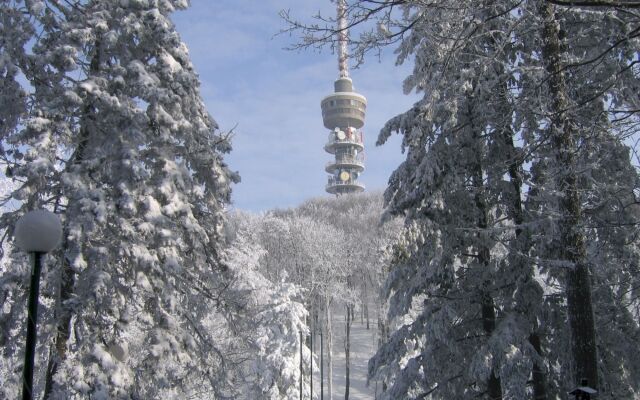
x,y
37,232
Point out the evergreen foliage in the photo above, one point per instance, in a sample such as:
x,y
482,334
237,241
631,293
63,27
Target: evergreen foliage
x,y
104,124
517,183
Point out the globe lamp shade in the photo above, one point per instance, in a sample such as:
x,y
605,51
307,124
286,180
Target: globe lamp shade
x,y
38,231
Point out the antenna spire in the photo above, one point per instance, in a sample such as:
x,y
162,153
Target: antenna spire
x,y
343,37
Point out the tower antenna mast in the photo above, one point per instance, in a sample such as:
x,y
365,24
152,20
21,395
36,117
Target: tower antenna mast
x,y
343,38
343,114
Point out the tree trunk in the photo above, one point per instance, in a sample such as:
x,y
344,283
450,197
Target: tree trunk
x,y
329,337
516,209
522,247
366,314
301,372
572,241
321,365
539,379
363,301
494,387
58,353
347,349
383,329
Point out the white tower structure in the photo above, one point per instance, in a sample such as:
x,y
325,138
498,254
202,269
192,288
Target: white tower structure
x,y
343,113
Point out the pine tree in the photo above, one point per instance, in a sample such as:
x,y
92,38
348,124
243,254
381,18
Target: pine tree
x,y
466,336
585,67
491,79
117,139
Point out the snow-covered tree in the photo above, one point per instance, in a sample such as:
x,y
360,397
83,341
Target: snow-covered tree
x,y
117,139
582,172
516,95
461,333
309,254
269,321
333,248
364,239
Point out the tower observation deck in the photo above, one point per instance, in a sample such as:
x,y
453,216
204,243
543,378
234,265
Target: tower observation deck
x,y
343,114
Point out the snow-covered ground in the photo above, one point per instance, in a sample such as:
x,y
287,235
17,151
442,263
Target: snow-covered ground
x,y
363,347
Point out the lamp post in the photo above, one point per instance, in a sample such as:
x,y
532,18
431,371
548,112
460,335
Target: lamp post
x,y
37,232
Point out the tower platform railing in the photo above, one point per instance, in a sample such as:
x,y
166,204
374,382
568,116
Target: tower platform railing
x,y
346,162
335,185
354,140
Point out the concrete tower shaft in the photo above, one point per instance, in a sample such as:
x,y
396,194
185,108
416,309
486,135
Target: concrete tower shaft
x,y
343,113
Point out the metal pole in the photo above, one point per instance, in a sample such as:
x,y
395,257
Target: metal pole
x,y
321,367
32,319
343,38
300,365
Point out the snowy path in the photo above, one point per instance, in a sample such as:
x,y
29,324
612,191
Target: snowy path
x,y
362,348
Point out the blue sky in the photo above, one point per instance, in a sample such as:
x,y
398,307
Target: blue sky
x,y
272,98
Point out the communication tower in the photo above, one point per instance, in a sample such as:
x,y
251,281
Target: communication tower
x,y
343,114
